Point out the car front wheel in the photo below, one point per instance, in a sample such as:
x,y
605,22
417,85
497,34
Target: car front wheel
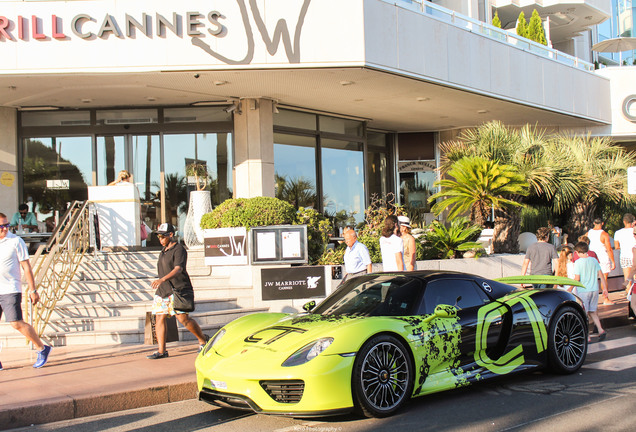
x,y
382,376
567,343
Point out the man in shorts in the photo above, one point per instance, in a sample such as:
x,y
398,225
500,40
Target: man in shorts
x,y
587,270
173,276
13,255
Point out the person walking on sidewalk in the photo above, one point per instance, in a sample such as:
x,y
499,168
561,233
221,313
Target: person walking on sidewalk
x,y
600,244
624,241
173,277
541,256
586,271
13,255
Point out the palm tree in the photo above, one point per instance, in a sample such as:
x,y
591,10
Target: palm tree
x,y
299,192
522,148
478,184
442,242
594,170
176,193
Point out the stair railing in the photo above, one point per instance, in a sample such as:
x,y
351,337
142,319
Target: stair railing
x,y
53,271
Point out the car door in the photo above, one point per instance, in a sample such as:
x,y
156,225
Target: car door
x,y
469,298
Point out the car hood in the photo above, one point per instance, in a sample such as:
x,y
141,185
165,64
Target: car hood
x,y
277,333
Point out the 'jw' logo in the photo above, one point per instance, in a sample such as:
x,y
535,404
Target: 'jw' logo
x,y
292,49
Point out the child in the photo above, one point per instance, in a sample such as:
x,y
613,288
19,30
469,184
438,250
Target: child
x,y
565,266
587,270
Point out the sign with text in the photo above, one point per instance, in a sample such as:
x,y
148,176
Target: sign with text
x,y
279,244
58,184
225,246
293,283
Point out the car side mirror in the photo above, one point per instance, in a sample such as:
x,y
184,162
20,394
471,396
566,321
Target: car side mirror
x,y
309,306
442,311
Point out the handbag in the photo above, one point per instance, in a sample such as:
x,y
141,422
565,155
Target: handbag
x,y
144,233
183,301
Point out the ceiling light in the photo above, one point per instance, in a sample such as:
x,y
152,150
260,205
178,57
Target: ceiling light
x,y
208,103
482,111
220,83
151,98
346,83
422,99
86,100
39,108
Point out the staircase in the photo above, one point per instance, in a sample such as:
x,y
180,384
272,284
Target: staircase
x,y
107,301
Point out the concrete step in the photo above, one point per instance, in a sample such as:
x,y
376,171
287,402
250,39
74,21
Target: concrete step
x,y
210,322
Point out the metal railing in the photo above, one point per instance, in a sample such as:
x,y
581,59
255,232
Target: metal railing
x,y
492,32
56,263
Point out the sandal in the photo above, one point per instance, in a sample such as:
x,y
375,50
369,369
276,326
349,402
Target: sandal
x,y
602,336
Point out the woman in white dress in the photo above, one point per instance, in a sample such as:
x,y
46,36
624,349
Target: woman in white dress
x,y
391,246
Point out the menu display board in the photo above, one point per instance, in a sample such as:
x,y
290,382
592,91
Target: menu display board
x,y
279,244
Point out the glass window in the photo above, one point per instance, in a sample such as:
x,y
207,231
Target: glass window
x,y
295,119
56,118
377,164
343,181
295,169
111,158
211,149
341,126
68,159
145,169
191,115
120,117
416,186
461,293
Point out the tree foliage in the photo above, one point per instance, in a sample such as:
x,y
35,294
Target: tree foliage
x,y
476,185
535,30
441,242
522,25
496,21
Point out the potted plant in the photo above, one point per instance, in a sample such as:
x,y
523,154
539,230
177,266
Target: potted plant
x,y
200,202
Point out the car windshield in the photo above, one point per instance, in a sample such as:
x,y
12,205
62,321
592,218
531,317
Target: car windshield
x,y
374,295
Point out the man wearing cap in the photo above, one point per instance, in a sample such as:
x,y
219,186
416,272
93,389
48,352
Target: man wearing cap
x,y
410,251
356,258
173,277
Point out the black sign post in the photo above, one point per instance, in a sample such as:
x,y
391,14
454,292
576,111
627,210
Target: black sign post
x,y
293,283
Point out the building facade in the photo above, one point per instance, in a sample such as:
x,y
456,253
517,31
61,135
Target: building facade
x,y
323,103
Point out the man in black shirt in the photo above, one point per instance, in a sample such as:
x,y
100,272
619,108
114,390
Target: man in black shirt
x,y
173,277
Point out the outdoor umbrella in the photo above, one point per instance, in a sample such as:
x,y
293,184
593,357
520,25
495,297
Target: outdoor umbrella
x,y
618,45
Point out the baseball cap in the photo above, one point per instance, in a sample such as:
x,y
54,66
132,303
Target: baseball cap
x,y
165,228
404,221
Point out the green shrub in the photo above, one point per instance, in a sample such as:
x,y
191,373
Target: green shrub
x,y
333,256
372,242
249,212
443,242
318,229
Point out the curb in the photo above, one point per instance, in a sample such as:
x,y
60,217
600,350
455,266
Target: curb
x,y
71,408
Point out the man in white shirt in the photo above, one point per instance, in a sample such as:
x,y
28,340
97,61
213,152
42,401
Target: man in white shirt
x,y
356,258
13,255
624,240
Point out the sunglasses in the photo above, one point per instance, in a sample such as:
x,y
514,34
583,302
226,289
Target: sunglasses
x,y
5,226
163,236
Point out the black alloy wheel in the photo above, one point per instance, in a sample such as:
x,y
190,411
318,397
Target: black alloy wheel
x,y
567,344
382,377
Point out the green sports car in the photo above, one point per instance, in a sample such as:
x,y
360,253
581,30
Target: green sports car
x,y
383,338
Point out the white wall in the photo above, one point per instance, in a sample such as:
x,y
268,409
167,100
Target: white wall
x,y
623,85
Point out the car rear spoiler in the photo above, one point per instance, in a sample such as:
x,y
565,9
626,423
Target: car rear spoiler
x,y
539,279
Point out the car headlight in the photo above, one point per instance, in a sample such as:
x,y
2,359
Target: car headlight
x,y
217,337
308,352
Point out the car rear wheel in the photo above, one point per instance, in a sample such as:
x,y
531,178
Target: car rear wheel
x,y
382,377
567,344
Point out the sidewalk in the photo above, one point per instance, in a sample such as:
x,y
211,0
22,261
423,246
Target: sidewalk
x,y
88,380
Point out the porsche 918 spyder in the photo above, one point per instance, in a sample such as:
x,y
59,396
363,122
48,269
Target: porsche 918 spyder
x,y
383,338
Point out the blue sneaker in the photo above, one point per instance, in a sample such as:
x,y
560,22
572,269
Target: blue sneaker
x,y
43,356
0,365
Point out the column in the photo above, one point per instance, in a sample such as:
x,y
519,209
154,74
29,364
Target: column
x,y
9,161
254,149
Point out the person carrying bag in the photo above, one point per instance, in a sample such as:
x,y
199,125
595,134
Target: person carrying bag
x,y
174,294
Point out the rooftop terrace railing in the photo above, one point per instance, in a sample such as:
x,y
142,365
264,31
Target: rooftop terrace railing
x,y
475,26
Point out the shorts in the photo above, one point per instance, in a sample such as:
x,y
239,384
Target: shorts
x,y
589,299
606,266
626,262
11,305
164,306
